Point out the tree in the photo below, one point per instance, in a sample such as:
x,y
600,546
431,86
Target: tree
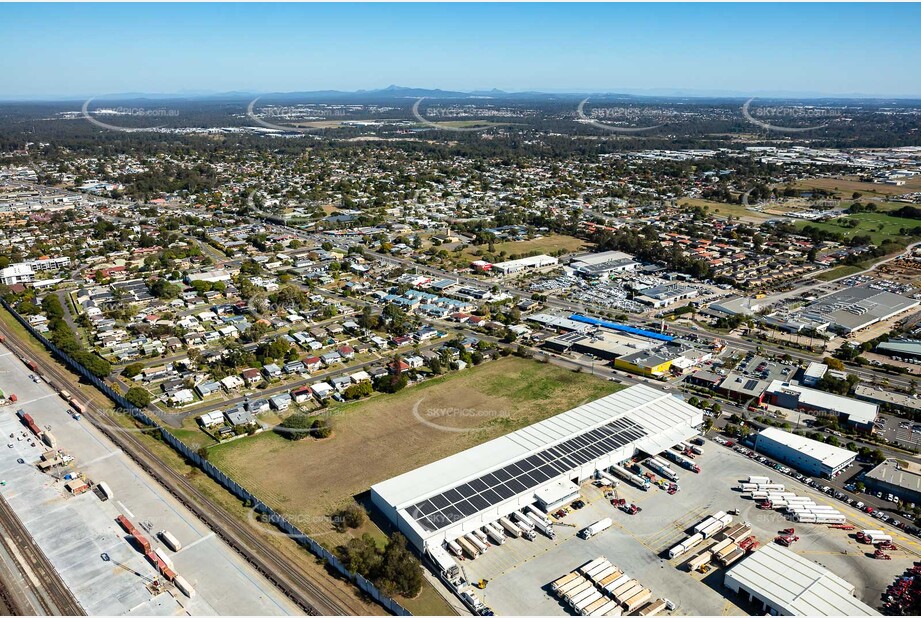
x,y
132,370
352,516
138,397
834,363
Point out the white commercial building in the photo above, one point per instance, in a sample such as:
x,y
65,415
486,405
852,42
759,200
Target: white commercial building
x,y
17,273
453,496
514,266
787,584
810,456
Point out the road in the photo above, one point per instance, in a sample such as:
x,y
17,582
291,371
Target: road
x,y
312,595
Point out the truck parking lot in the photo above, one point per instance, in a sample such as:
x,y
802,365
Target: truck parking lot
x,y
519,572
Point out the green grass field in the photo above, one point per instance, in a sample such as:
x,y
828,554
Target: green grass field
x,y
879,226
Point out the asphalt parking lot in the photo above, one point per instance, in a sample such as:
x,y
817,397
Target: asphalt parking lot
x,y
520,571
74,531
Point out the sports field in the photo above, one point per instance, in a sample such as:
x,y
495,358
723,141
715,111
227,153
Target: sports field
x,y
386,435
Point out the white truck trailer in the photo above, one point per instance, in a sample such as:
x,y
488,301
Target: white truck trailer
x,y
596,528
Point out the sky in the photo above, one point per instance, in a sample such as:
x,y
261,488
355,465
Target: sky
x,y
84,50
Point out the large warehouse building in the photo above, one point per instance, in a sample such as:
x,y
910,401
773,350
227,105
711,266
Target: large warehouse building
x,y
852,309
451,497
810,456
787,584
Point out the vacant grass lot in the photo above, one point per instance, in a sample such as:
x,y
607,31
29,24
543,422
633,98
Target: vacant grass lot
x,y
387,435
720,209
845,187
877,225
546,244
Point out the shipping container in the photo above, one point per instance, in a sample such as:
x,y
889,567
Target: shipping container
x,y
585,599
64,395
603,610
732,557
184,586
125,523
142,541
578,590
164,557
761,480
623,587
469,548
653,608
571,585
628,593
511,529
617,583
49,439
171,541
613,577
591,565
720,545
700,560
603,573
638,600
564,580
595,605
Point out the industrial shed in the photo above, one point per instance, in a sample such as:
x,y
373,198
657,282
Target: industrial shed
x,y
450,497
787,584
806,455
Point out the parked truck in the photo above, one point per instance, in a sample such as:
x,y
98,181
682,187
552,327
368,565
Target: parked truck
x,y
637,480
591,564
662,468
524,524
445,564
511,529
682,461
469,548
480,545
596,528
541,524
494,535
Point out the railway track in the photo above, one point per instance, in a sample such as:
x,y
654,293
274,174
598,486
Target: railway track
x,y
290,579
50,592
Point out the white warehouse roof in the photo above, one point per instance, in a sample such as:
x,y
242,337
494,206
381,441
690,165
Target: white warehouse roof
x,y
829,455
437,499
795,586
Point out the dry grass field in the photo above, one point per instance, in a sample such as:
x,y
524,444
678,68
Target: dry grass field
x,y
845,187
387,435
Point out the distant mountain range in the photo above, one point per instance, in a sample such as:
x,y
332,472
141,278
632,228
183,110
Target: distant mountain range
x,y
401,93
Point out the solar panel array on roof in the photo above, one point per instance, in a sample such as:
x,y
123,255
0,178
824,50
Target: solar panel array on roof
x,y
490,489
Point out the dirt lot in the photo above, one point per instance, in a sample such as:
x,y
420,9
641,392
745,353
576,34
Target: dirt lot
x,y
387,435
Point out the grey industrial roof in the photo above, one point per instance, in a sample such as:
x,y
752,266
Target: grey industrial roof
x,y
857,411
890,471
797,586
859,306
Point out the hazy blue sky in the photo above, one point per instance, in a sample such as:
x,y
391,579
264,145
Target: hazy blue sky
x,y
68,49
